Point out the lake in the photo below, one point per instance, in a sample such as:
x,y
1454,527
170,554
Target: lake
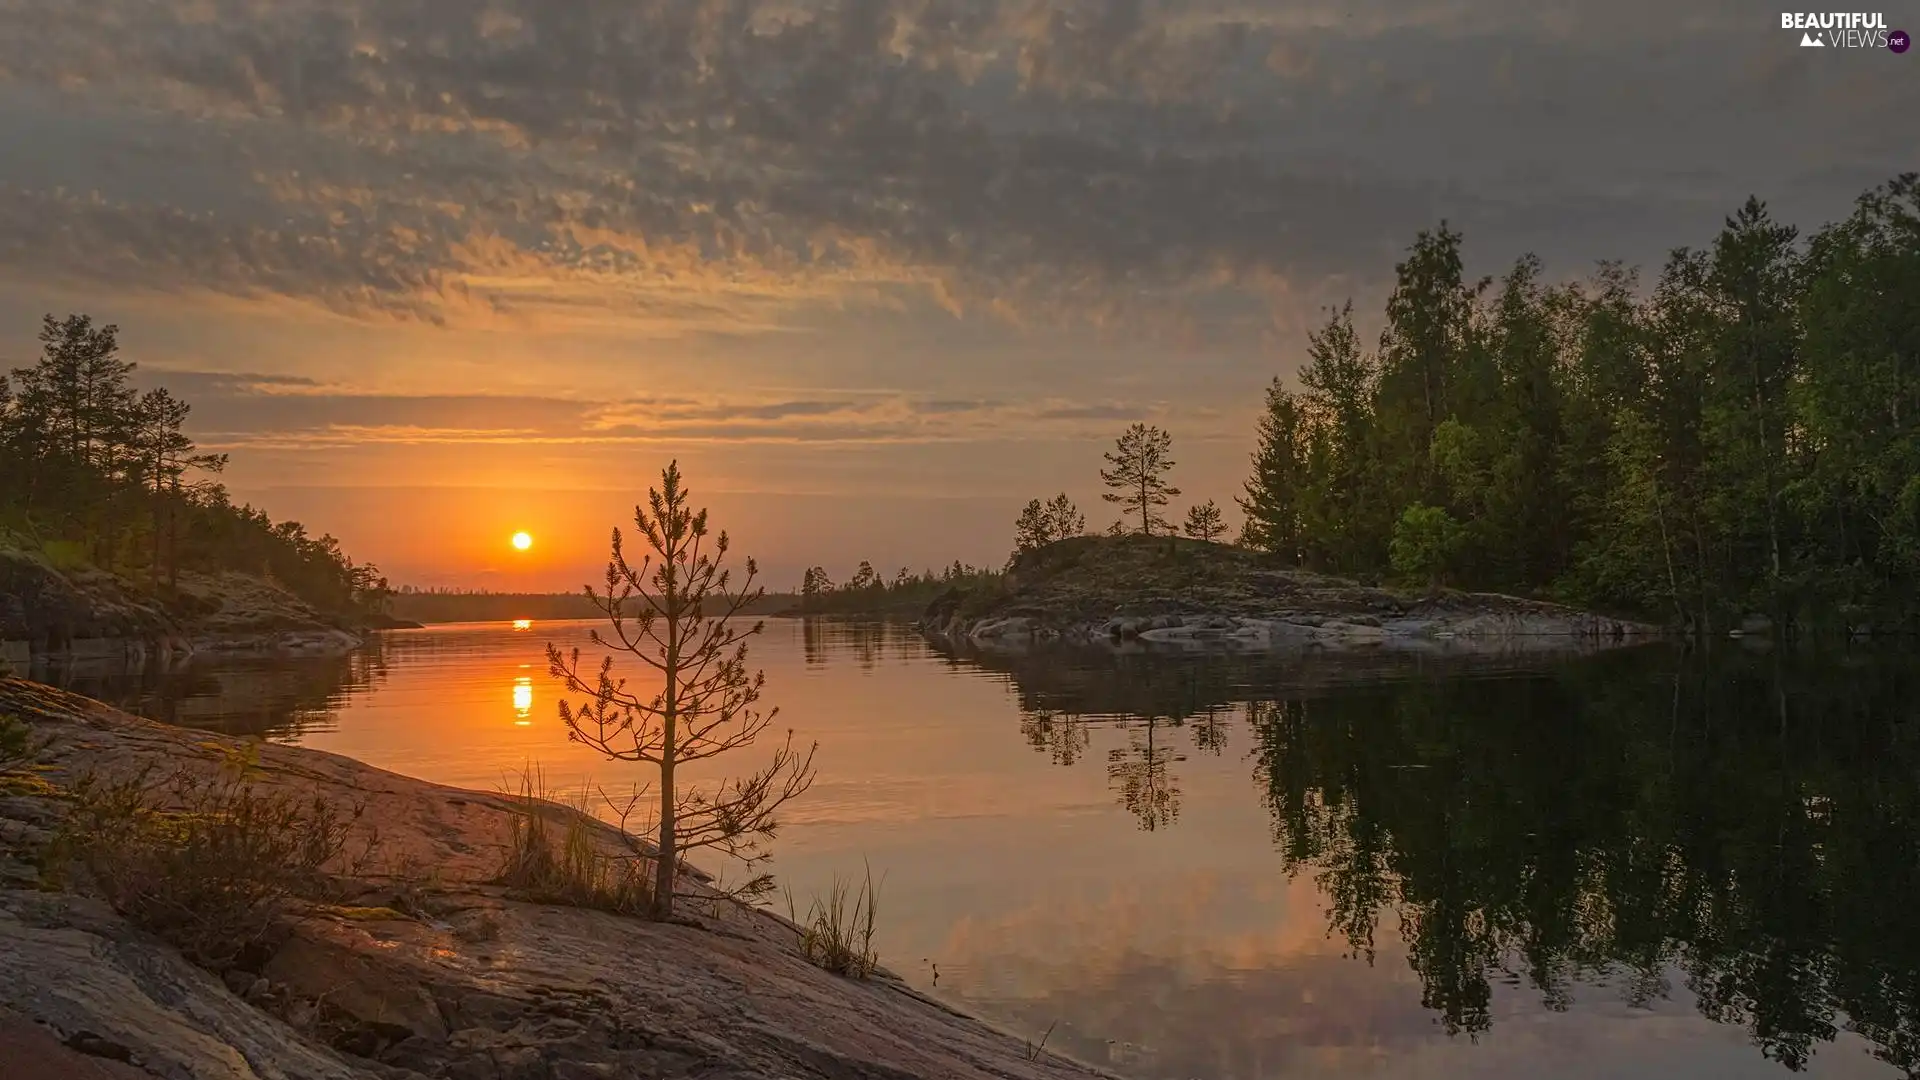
x,y
1642,864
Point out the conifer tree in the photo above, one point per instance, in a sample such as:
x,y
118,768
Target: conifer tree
x,y
675,613
1140,460
1204,522
1278,488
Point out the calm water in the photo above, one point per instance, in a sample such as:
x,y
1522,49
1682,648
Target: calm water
x,y
1640,865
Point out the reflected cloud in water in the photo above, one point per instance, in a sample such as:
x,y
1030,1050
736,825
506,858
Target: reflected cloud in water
x,y
1241,866
1641,834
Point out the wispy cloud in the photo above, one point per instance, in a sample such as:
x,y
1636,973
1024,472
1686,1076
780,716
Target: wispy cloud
x,y
282,412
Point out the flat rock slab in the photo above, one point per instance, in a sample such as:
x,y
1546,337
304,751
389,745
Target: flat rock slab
x,y
488,988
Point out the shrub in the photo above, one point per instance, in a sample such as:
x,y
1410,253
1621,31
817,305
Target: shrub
x,y
837,934
205,864
65,554
561,863
17,745
1425,541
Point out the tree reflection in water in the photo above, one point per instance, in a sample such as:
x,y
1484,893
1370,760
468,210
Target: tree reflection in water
x,y
1748,824
273,697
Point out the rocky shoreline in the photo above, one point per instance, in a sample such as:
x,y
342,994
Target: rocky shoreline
x,y
1140,591
91,615
424,969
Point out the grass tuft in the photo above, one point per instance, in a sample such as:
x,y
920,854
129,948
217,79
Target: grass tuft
x,y
561,862
837,934
1034,1050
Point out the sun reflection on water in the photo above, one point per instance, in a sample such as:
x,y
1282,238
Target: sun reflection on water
x,y
523,701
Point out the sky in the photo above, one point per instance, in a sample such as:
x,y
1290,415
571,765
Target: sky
x,y
874,272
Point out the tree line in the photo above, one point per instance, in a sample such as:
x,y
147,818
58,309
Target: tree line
x,y
866,591
1744,437
99,473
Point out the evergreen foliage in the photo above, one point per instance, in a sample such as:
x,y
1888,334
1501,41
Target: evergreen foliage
x,y
1743,436
1204,522
94,472
1041,523
1140,460
908,593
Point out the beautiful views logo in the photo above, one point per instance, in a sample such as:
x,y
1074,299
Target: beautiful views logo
x,y
1845,30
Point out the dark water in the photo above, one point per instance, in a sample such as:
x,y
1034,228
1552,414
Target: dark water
x,y
1641,864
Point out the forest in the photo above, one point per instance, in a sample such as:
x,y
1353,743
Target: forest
x,y
1740,440
99,473
866,592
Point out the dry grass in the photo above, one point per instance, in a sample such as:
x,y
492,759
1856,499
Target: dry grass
x,y
837,934
206,864
1034,1050
560,861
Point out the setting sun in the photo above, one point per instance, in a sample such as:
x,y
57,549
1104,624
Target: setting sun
x,y
522,541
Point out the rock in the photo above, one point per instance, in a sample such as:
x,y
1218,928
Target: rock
x,y
92,614
1102,590
32,1052
337,970
1756,624
562,994
50,609
141,1003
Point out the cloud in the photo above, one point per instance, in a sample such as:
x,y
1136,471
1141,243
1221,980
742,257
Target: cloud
x,y
1091,412
713,164
291,412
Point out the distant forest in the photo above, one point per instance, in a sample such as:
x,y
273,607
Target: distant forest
x,y
1744,438
95,473
867,593
864,592
447,605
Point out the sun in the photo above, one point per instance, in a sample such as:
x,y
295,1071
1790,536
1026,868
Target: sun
x,y
522,541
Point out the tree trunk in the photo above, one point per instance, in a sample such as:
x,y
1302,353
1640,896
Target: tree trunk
x,y
668,853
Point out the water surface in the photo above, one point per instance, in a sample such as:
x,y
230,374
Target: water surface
x,y
1637,865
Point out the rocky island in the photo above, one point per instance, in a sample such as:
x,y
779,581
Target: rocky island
x,y
89,613
1174,592
417,963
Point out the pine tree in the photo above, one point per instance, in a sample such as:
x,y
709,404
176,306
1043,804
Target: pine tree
x,y
1349,528
1032,529
1064,519
1204,522
1276,491
163,454
1140,461
674,612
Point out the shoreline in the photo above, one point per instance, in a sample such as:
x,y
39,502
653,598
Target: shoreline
x,y
360,991
1136,591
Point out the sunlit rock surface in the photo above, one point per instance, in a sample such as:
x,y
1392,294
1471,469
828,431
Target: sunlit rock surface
x,y
482,988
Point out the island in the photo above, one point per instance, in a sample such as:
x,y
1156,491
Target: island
x,y
1138,589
